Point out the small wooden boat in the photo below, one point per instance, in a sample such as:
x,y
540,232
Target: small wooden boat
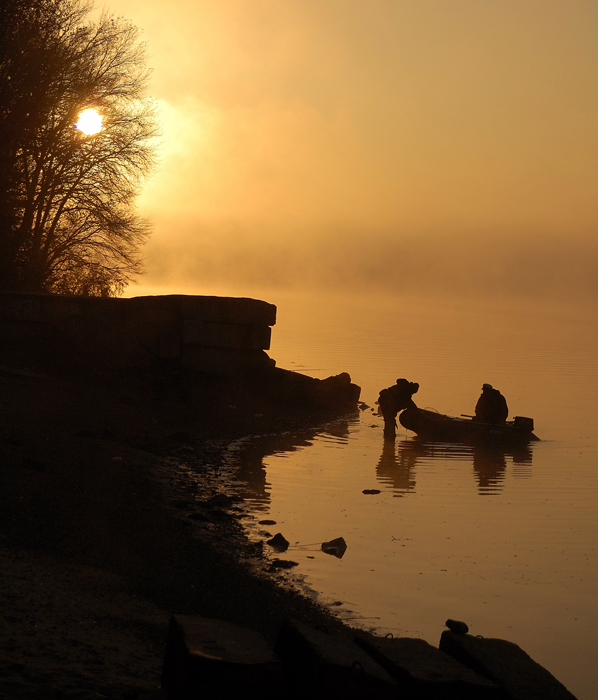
x,y
437,427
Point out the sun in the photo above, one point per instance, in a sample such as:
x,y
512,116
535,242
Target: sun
x,y
90,122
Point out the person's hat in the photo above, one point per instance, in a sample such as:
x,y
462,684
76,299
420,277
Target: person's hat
x,y
486,386
402,381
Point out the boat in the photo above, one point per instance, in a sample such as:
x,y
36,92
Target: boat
x,y
437,427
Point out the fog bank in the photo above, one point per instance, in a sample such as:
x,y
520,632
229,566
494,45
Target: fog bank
x,y
393,143
463,263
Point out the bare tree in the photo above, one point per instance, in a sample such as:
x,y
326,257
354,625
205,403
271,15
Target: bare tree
x,y
68,219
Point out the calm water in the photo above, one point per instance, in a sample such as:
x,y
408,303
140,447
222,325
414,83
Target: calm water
x,y
504,541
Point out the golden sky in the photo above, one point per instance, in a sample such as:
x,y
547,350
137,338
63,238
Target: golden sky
x,y
333,141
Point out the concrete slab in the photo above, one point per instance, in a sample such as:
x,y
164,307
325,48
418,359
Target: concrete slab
x,y
426,672
249,336
208,658
133,331
330,666
224,360
505,663
225,309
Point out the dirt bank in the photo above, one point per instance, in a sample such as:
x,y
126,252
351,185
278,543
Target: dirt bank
x,y
94,551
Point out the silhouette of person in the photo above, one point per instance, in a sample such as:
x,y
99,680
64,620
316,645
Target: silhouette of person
x,y
395,399
491,406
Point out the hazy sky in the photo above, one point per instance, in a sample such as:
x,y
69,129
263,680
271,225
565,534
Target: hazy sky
x,y
405,143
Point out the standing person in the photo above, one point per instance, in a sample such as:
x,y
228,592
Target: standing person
x,y
393,400
491,406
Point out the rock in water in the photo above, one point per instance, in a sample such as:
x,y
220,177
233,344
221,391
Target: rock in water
x,y
278,542
336,547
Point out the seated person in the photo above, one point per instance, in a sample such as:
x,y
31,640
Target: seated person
x,y
491,406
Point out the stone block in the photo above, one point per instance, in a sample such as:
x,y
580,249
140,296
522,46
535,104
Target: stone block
x,y
335,391
505,663
207,659
233,332
239,336
224,361
169,345
330,666
225,309
39,307
425,672
192,329
261,336
20,307
154,315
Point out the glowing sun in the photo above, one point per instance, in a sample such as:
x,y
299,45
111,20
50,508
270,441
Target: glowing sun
x,y
90,122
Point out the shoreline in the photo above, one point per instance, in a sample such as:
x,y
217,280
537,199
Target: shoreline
x,y
96,544
101,541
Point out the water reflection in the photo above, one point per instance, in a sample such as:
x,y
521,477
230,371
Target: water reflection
x,y
490,463
397,469
489,466
250,456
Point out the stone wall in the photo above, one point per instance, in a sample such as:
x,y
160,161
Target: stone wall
x,y
216,335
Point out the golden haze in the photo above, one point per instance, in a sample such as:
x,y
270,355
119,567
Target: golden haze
x,y
302,137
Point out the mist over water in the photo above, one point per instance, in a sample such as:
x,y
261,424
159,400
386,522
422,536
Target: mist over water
x,y
462,263
397,146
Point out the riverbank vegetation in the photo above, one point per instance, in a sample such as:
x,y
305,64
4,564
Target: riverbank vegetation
x,y
68,222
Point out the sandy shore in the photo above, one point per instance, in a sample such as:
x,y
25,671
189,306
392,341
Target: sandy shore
x,y
96,548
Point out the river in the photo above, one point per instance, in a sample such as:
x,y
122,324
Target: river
x,y
506,541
